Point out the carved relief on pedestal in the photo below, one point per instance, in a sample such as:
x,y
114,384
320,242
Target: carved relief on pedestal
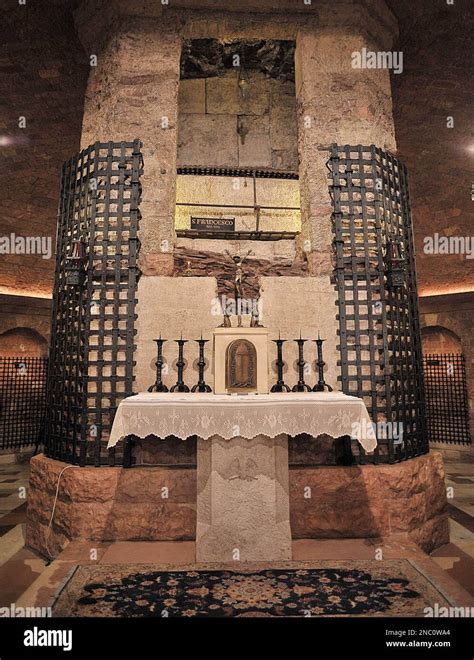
x,y
247,471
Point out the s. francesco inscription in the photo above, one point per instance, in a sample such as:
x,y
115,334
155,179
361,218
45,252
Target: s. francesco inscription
x,y
213,224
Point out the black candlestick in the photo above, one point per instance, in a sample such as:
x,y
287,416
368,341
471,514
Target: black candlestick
x,y
321,384
280,385
201,385
159,386
180,386
301,385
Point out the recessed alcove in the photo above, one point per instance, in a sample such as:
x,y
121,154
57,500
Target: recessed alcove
x,y
237,157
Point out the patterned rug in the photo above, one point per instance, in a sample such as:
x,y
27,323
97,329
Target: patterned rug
x,y
330,588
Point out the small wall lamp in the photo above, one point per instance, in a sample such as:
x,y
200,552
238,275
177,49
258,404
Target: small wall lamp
x,y
395,264
75,264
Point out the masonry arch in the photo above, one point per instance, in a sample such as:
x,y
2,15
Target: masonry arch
x,y
23,342
439,339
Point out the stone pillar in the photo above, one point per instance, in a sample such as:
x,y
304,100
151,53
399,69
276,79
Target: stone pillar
x,y
133,92
338,103
242,500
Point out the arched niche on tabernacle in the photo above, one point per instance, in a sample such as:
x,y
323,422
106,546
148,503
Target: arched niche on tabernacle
x,y
241,366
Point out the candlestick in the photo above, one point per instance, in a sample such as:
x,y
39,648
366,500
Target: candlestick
x,y
321,384
201,385
159,386
301,385
280,385
180,385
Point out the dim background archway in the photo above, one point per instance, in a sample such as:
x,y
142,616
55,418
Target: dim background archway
x,y
437,339
447,403
23,342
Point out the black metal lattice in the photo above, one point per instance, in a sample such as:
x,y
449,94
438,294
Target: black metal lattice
x,y
22,401
379,332
92,345
447,403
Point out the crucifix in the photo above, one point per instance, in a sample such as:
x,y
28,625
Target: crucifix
x,y
238,261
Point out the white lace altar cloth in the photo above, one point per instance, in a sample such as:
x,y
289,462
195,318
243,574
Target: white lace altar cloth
x,y
247,416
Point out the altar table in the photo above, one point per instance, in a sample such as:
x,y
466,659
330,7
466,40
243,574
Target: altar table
x,y
235,415
242,458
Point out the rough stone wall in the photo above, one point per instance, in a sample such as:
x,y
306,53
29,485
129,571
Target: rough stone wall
x,y
435,339
22,343
43,75
436,42
133,92
109,504
336,103
25,312
372,501
194,263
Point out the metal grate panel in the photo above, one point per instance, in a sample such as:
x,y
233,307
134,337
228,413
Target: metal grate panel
x,y
22,401
92,345
447,403
379,330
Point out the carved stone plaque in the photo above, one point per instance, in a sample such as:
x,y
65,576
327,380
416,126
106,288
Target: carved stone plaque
x,y
241,366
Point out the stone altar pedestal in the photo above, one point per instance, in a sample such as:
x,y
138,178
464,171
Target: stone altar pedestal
x,y
243,500
242,462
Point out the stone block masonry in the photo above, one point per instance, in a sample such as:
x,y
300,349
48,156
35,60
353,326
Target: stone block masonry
x,y
372,501
133,92
214,106
107,504
116,504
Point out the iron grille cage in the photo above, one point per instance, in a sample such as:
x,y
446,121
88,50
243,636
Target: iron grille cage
x,y
22,401
447,403
92,344
380,343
